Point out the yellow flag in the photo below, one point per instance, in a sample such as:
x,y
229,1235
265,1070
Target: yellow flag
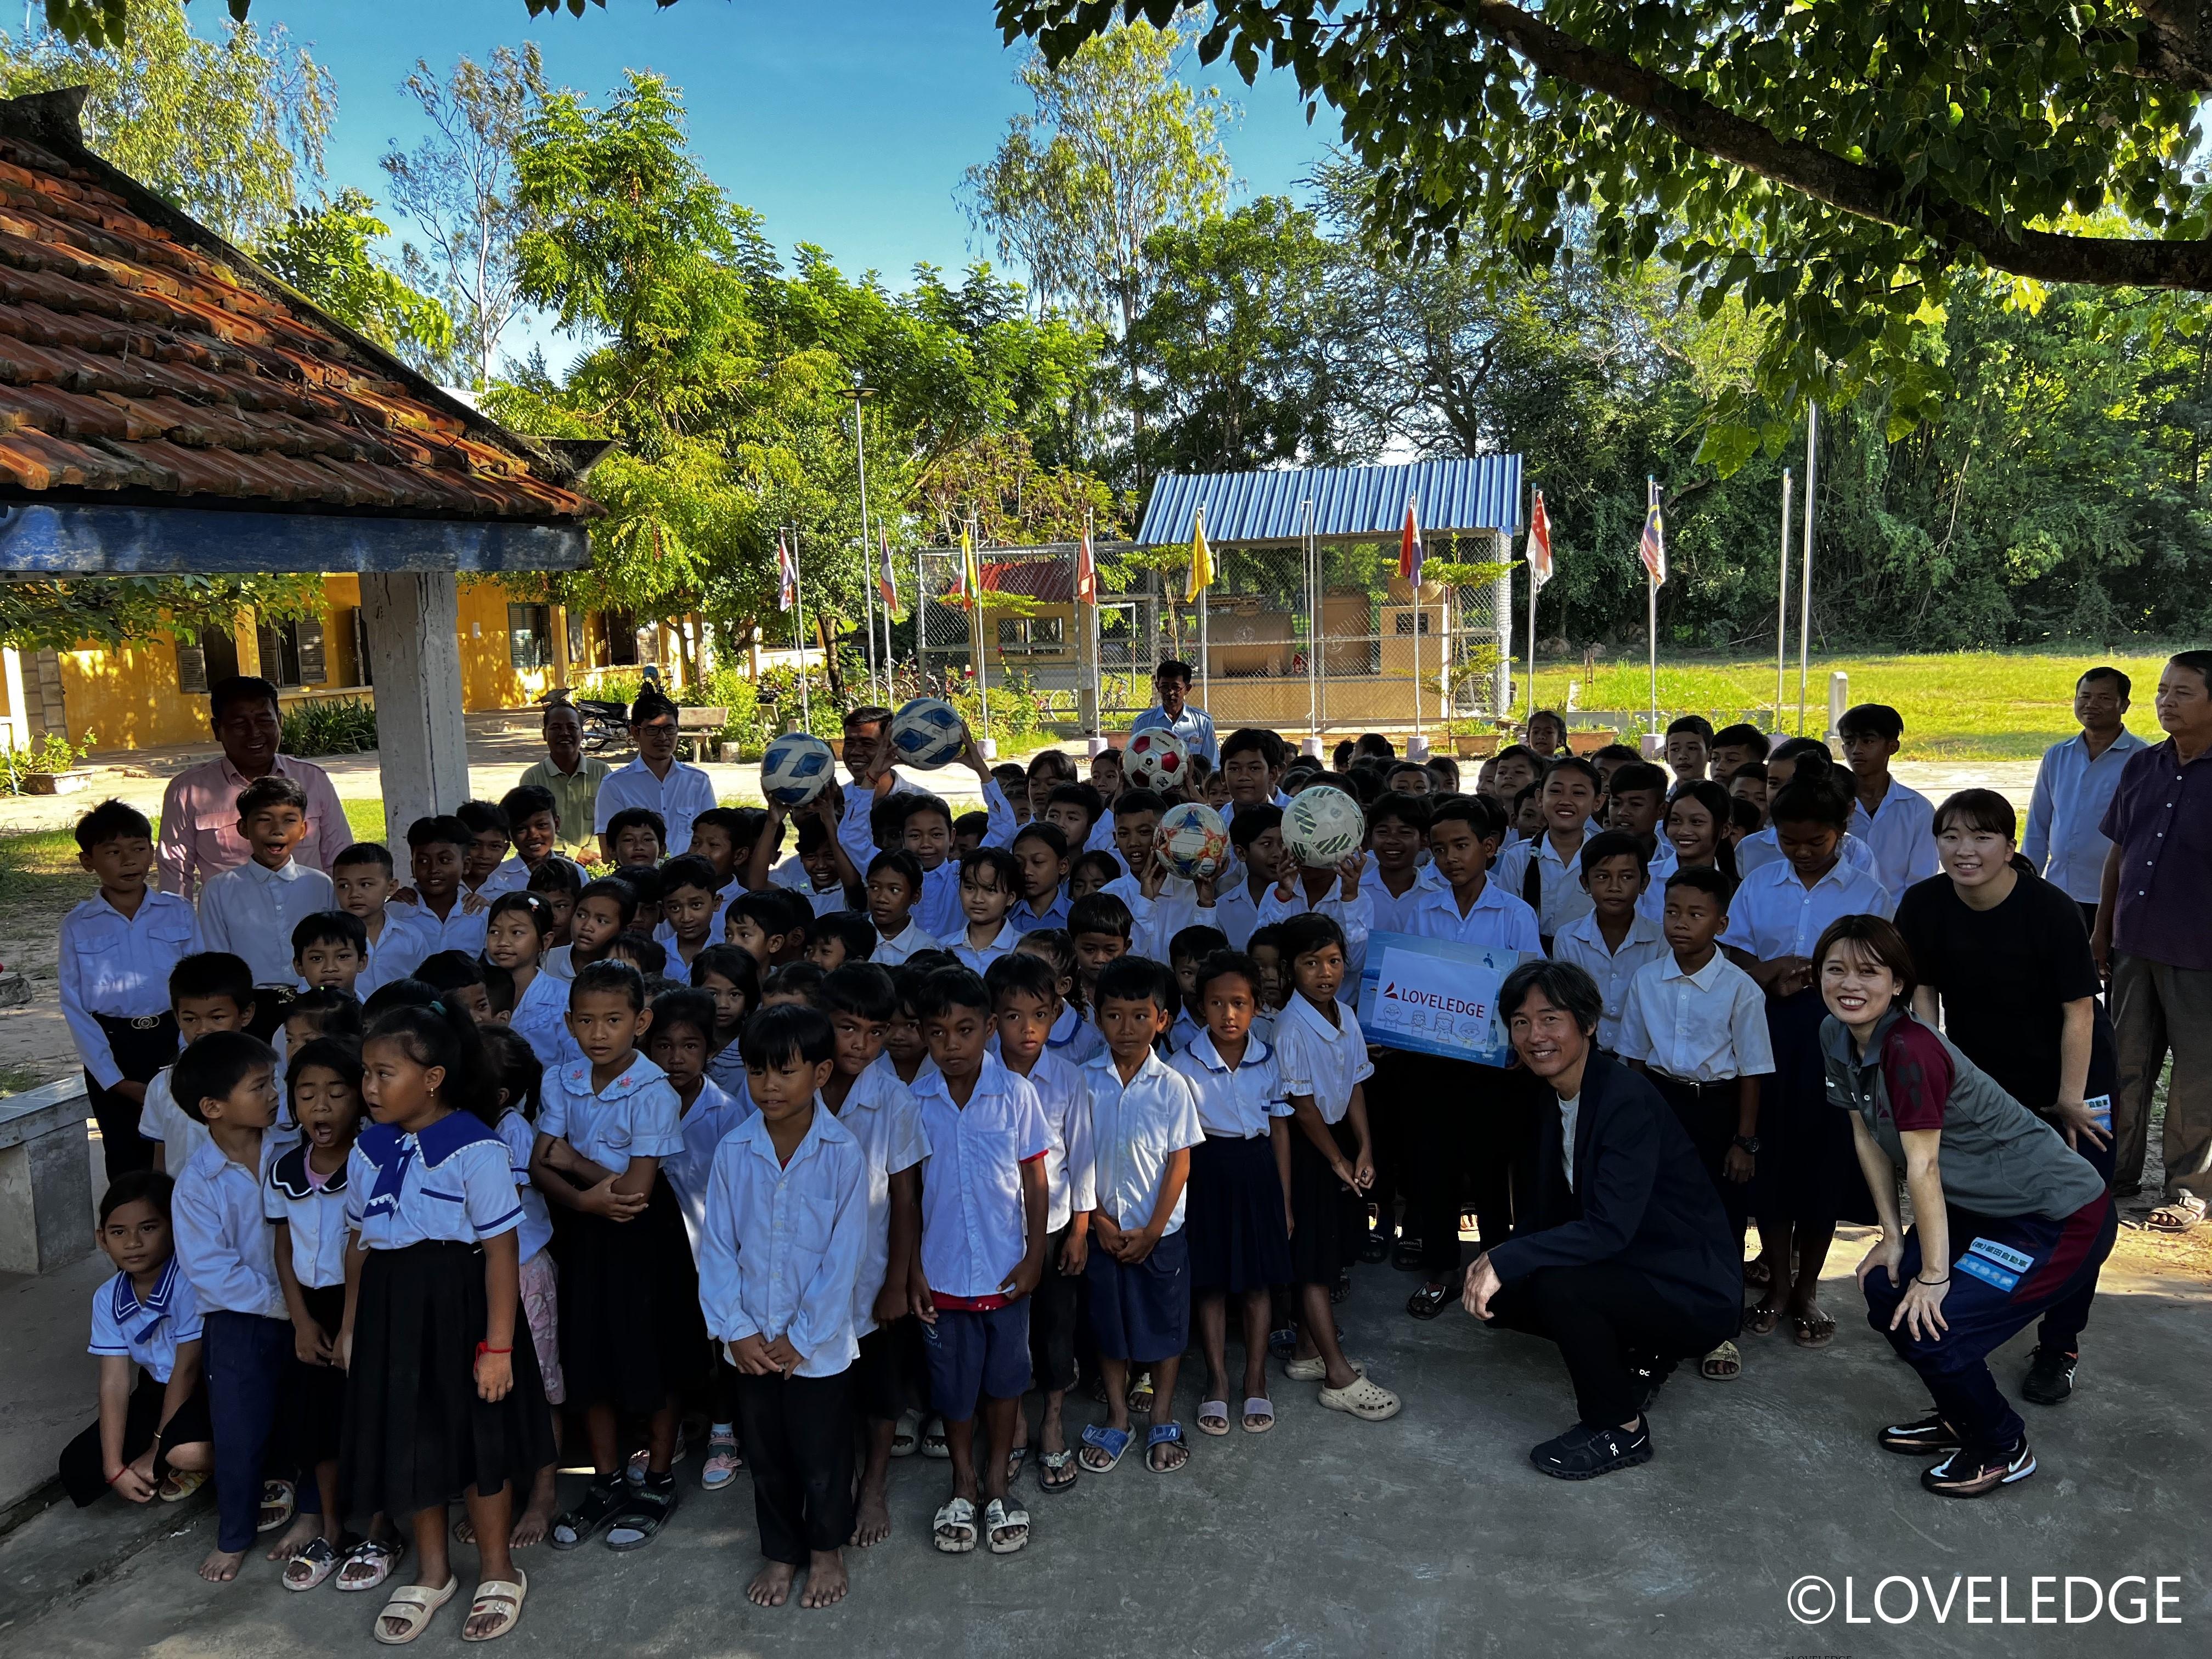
x,y
1201,560
971,585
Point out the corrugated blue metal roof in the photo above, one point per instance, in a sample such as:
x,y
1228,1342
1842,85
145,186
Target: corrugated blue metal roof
x,y
1479,493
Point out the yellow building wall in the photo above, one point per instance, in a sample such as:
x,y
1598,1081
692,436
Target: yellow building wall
x,y
490,678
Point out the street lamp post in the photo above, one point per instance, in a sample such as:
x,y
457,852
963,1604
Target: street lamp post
x,y
859,393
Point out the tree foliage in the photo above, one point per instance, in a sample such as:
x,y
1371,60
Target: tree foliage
x,y
325,252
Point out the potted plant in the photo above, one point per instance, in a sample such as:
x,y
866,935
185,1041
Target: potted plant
x,y
50,767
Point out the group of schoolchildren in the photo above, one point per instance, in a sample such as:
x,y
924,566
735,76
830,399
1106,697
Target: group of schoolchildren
x,y
839,1156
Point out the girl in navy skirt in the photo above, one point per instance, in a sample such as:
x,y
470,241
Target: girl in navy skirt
x,y
440,1396
1235,1215
632,1337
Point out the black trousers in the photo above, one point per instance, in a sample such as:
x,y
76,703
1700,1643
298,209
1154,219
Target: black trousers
x,y
1390,1124
797,1434
1707,1112
140,1050
1602,1316
1465,1122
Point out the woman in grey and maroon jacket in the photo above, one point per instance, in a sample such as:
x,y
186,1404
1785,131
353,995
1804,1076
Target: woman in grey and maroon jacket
x,y
2010,1223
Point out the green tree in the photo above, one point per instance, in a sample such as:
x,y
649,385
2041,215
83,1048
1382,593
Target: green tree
x,y
223,128
326,252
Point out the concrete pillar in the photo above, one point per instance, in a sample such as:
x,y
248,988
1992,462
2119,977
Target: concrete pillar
x,y
413,622
17,732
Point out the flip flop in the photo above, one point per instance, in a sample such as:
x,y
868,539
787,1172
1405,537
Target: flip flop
x,y
1016,1456
933,1439
954,1528
1760,1318
1211,1412
180,1484
998,1518
501,1597
1061,1463
1260,1406
1109,1443
307,1567
1726,1355
277,1504
1812,1333
416,1604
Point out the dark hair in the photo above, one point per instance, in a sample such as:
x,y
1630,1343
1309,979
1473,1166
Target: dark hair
x,y
530,904
642,879
1253,822
1176,667
1721,806
500,994
1223,963
1797,749
801,979
1255,740
480,816
941,992
449,971
112,820
1134,979
212,974
618,977
641,951
1640,778
1340,756
1743,735
776,1036
1752,768
1811,800
443,1035
740,825
684,1007
692,870
967,823
1745,815
397,993
1022,971
213,1066
1703,878
1444,770
2107,671
901,864
613,887
1620,752
1586,770
513,1069
1522,751
274,790
556,875
329,1053
1412,811
138,1187
1139,801
1040,829
1977,811
733,963
929,962
1561,984
439,830
997,859
913,803
1873,720
239,688
1374,743
813,835
1613,844
1198,941
1481,813
860,988
329,927
1055,945
1100,913
1268,937
850,928
2198,663
526,801
364,852
337,1013
1304,934
1876,936
631,818
867,714
1095,858
651,705
1551,715
1084,795
1697,723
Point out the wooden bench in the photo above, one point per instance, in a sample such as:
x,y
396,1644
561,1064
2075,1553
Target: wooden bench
x,y
703,727
45,1178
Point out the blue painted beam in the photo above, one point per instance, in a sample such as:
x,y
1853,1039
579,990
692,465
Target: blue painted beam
x,y
71,539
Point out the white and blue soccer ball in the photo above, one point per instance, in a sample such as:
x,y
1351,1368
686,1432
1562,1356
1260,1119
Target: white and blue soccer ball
x,y
1322,827
928,732
797,767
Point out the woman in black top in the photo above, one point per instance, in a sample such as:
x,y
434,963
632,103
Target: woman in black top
x,y
2003,953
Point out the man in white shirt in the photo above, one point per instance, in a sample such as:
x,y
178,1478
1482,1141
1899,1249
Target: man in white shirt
x,y
656,779
1173,712
2073,786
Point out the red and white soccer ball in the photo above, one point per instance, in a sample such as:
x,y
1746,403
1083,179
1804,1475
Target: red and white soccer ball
x,y
1156,759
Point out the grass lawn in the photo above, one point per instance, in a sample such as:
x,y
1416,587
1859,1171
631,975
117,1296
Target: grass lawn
x,y
1961,706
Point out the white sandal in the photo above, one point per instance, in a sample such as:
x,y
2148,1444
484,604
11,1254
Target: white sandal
x,y
501,1597
998,1518
416,1605
1371,1402
954,1528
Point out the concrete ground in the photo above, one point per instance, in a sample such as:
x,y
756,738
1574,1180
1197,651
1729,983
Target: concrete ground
x,y
1430,1534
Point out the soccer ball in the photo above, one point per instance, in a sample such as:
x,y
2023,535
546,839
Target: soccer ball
x,y
796,769
928,732
1156,759
1322,827
1193,839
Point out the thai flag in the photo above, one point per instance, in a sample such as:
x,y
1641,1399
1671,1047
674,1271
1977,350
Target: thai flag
x,y
886,578
787,574
1652,549
1410,554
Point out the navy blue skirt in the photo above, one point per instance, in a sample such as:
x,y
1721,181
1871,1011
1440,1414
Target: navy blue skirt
x,y
1808,1171
1233,1216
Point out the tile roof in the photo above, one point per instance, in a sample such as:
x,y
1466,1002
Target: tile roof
x,y
1050,580
142,357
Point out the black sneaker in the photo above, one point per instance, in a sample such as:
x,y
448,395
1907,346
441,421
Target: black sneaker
x,y
2049,1376
1961,1476
1931,1436
1583,1454
1647,1376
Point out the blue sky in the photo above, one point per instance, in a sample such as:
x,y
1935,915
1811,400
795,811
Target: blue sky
x,y
846,122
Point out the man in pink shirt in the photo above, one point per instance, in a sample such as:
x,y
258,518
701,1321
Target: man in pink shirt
x,y
199,809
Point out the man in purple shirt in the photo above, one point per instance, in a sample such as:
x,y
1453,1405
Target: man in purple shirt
x,y
199,809
2154,938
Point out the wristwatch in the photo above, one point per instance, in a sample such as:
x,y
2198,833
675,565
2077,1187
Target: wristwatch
x,y
1747,1143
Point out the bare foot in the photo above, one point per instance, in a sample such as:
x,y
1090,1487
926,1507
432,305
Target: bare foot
x,y
826,1582
531,1525
303,1528
221,1565
872,1519
771,1585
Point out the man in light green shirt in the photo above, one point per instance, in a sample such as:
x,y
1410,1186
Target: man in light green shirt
x,y
573,776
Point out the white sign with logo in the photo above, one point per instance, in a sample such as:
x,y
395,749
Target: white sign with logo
x,y
1433,996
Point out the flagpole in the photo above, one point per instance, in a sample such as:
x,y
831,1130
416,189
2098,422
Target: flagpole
x,y
1805,583
884,571
1414,582
1204,642
975,609
860,454
1781,602
1651,607
798,626
1533,585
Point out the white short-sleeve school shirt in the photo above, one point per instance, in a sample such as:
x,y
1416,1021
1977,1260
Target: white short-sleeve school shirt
x,y
1581,943
890,952
880,1114
1560,893
1073,1036
451,1183
314,1213
974,1227
148,1329
781,1246
1070,1171
1237,1102
1901,835
540,1017
410,934
1320,1059
1135,1128
1704,1027
679,798
1393,912
1775,915
222,1235
1764,847
637,1114
117,967
1495,921
520,1136
978,959
1355,916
